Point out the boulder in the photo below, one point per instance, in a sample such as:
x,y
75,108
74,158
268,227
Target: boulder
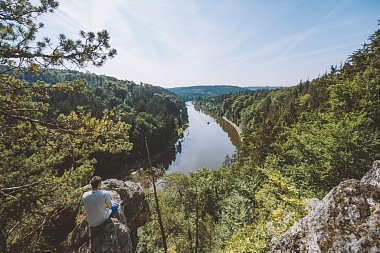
x,y
311,204
373,176
136,207
347,219
119,233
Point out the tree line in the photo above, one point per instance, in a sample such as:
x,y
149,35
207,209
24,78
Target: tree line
x,y
192,92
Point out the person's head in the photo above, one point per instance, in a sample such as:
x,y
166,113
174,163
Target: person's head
x,y
96,182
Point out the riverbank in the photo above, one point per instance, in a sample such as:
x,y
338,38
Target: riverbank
x,y
238,130
216,117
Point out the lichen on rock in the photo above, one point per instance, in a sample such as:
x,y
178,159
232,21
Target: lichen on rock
x,y
347,219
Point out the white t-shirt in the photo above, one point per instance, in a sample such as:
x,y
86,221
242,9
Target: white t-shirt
x,y
95,204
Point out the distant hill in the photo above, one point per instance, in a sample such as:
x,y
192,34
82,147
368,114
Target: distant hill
x,y
262,87
191,92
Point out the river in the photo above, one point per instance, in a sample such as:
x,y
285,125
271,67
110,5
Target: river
x,y
206,143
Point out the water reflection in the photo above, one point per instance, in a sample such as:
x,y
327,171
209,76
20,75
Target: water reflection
x,y
233,135
207,142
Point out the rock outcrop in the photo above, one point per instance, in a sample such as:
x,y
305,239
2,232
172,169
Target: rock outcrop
x,y
119,233
347,219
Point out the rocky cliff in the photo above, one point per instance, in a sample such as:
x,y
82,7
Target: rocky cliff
x,y
347,219
119,233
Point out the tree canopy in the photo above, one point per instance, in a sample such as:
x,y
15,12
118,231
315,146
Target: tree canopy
x,y
45,153
18,45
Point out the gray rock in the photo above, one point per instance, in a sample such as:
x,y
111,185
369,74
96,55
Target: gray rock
x,y
135,206
79,239
311,204
111,236
373,176
119,233
347,219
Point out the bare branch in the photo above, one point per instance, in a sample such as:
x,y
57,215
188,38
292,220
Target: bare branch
x,y
18,188
44,123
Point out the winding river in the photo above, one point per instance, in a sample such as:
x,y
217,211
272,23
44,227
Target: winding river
x,y
206,143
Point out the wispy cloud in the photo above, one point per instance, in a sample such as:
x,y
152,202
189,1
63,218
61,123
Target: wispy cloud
x,y
168,42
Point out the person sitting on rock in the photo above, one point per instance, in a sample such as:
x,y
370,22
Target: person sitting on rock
x,y
98,203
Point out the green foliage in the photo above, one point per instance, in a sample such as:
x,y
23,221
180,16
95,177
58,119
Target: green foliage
x,y
323,131
204,211
251,238
325,150
45,155
278,205
18,47
189,209
192,92
54,128
298,143
153,113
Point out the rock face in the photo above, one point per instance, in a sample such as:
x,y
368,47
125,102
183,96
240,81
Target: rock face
x,y
119,233
373,176
347,219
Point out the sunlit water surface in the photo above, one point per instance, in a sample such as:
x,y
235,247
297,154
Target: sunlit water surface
x,y
206,143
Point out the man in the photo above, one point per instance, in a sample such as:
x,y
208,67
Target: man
x,y
98,203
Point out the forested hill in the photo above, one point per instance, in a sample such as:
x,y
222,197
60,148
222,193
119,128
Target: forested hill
x,y
153,112
262,87
191,92
298,143
52,76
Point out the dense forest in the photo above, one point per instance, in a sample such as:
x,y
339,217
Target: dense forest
x,y
57,126
298,143
154,113
192,92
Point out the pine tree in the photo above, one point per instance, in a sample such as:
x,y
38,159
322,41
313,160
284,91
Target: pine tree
x,y
45,154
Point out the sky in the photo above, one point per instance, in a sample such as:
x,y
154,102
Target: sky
x,y
174,43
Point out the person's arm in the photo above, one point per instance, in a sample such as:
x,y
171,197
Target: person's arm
x,y
81,203
108,200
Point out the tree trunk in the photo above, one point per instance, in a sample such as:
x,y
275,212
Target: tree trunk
x,y
196,222
157,204
159,218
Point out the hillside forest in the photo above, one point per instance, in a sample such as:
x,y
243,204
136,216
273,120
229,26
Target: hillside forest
x,y
192,92
298,143
154,114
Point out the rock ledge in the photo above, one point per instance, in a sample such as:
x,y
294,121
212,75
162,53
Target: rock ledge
x,y
347,219
119,233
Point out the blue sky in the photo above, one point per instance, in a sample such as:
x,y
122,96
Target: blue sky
x,y
245,43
